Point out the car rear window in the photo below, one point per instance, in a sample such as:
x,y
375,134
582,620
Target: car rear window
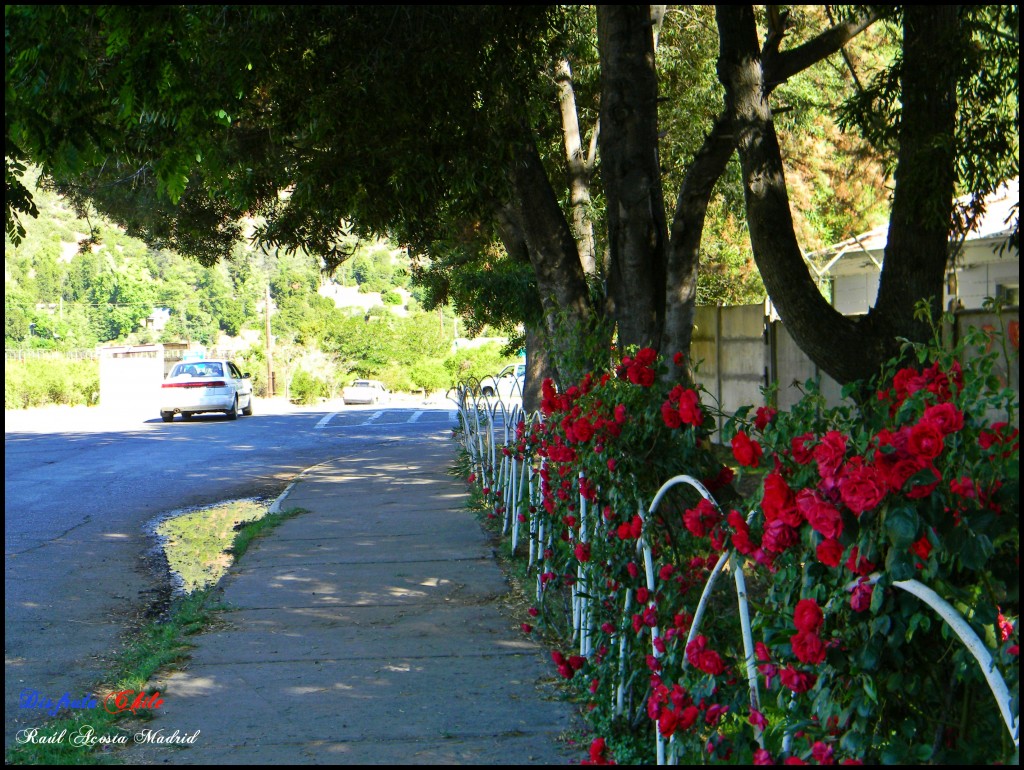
x,y
210,369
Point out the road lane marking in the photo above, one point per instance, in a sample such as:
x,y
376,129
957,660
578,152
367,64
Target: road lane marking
x,y
375,416
324,420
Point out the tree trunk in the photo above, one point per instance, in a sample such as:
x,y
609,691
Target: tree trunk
x,y
539,363
684,245
844,348
539,367
637,232
708,166
561,284
919,226
581,168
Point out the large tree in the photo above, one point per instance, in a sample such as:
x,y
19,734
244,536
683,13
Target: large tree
x,y
431,123
932,73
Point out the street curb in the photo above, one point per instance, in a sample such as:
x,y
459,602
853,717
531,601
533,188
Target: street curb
x,y
275,507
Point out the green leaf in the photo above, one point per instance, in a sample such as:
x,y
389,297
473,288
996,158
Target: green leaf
x,y
881,625
901,525
975,552
899,564
877,598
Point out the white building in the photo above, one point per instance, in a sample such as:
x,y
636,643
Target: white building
x,y
985,267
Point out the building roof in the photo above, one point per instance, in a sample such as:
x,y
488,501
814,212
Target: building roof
x,y
866,250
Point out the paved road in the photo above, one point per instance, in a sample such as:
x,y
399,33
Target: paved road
x,y
83,486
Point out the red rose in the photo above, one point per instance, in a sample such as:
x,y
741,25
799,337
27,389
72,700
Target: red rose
x,y
922,548
963,487
823,517
702,658
689,408
670,416
747,453
926,440
946,416
722,480
741,542
765,414
862,488
778,537
830,453
640,375
688,717
859,564
797,681
921,490
829,553
807,616
779,503
860,599
808,647
802,453
895,470
582,552
714,714
702,519
823,753
583,430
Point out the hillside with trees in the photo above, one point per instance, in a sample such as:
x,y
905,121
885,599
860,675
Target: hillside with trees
x,y
74,283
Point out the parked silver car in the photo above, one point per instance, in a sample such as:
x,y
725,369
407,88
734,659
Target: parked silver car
x,y
207,385
365,392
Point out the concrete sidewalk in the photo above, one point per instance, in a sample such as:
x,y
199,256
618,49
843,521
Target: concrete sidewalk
x,y
367,631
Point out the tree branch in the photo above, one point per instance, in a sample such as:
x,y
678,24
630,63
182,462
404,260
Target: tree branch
x,y
780,66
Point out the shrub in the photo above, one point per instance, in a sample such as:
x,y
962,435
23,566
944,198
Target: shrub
x,y
920,483
45,381
308,389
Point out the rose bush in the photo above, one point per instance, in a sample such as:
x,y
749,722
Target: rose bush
x,y
920,482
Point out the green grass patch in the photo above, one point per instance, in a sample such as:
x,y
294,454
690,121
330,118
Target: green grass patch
x,y
199,545
94,736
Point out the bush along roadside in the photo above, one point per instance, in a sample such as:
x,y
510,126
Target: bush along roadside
x,y
105,721
857,513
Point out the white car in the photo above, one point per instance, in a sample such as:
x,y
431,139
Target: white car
x,y
507,384
207,385
365,392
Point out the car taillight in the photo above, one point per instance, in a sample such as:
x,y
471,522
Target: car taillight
x,y
213,384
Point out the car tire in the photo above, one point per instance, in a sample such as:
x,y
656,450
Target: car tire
x,y
232,413
166,416
187,416
489,392
248,408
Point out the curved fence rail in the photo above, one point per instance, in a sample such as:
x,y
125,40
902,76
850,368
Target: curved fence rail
x,y
491,433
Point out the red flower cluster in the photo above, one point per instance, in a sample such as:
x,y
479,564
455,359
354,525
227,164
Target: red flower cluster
x,y
567,667
673,709
639,370
807,645
700,657
682,408
598,753
748,453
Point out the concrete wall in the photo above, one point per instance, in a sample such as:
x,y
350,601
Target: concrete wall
x,y
732,355
739,350
130,378
976,282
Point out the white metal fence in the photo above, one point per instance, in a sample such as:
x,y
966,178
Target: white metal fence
x,y
489,431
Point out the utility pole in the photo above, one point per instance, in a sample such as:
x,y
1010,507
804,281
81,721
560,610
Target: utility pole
x,y
270,347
